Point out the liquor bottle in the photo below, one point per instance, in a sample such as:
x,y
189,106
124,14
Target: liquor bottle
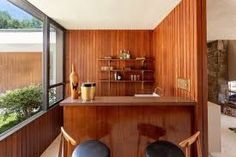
x,y
115,76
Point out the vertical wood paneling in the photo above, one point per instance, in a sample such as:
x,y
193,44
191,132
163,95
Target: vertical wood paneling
x,y
34,138
85,47
179,47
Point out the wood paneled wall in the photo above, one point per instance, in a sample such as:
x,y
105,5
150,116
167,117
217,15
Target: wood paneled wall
x,y
174,47
85,47
34,138
179,46
20,68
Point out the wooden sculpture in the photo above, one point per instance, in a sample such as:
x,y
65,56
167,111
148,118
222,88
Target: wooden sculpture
x,y
74,83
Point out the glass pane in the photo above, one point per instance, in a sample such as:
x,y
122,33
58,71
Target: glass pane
x,y
55,95
56,55
21,47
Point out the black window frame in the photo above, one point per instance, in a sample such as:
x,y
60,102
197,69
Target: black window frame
x,y
47,21
49,86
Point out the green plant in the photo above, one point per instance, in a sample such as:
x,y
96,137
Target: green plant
x,y
23,102
8,122
8,22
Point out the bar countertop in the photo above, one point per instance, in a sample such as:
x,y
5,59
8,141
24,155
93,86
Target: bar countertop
x,y
129,101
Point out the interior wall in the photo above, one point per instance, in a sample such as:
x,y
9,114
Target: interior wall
x,y
179,46
175,50
85,47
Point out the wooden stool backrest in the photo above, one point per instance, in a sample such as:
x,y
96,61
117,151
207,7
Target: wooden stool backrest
x,y
70,142
189,141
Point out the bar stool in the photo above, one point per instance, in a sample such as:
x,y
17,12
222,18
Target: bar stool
x,y
168,149
90,148
150,132
163,149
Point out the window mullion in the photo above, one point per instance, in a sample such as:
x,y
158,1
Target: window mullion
x,y
46,59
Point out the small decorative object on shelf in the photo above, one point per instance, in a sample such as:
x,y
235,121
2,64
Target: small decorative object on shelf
x,y
74,83
115,75
124,54
119,76
140,58
131,77
135,77
128,55
138,77
106,68
107,57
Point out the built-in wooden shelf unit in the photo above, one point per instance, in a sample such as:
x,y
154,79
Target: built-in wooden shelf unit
x,y
141,69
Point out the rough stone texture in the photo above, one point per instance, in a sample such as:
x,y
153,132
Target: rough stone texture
x,y
217,70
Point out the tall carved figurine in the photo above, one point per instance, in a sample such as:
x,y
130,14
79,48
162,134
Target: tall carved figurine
x,y
74,83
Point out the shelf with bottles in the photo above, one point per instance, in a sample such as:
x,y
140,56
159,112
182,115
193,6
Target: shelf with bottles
x,y
138,71
130,59
126,81
126,67
125,70
132,76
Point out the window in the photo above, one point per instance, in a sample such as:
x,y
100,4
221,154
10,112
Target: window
x,y
56,55
31,76
21,49
56,65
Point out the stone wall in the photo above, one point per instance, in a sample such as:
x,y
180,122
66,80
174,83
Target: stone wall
x,y
217,70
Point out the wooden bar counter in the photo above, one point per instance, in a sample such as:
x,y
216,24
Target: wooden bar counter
x,y
128,124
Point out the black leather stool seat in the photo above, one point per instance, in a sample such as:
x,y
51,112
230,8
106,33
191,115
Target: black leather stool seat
x,y
163,149
91,148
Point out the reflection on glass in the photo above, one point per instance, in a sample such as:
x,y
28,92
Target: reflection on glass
x,y
55,95
56,55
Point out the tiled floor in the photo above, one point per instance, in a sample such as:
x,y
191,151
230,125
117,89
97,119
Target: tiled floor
x,y
228,139
52,150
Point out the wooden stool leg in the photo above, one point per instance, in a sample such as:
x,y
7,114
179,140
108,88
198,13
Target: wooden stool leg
x,y
187,152
199,149
138,145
